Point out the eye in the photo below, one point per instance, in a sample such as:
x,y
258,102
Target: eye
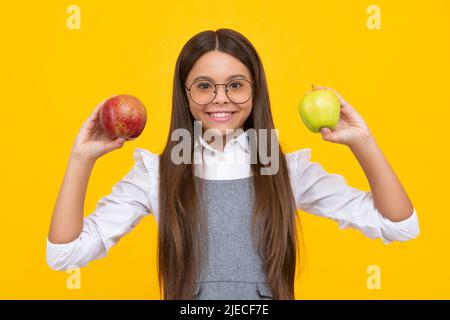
x,y
235,85
203,85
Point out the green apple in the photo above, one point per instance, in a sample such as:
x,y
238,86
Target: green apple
x,y
320,108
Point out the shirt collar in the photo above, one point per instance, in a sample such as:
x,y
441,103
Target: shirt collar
x,y
242,140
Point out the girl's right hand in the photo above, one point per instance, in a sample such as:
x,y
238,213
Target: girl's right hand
x,y
92,142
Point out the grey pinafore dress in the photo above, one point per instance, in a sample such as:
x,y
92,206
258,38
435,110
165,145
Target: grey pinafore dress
x,y
233,268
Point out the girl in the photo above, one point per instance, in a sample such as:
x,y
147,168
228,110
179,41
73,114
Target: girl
x,y
225,230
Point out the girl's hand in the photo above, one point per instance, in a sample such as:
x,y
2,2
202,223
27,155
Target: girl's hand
x,y
351,127
92,142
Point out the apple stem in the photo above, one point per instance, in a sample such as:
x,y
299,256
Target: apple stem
x,y
313,87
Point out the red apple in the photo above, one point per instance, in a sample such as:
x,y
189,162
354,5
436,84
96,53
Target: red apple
x,y
123,116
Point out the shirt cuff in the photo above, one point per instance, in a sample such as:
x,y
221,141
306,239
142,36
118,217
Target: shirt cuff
x,y
60,245
411,219
401,230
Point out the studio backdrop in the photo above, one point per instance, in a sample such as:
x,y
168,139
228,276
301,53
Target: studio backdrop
x,y
388,59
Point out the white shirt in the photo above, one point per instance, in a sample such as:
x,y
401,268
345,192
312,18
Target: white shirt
x,y
231,163
136,195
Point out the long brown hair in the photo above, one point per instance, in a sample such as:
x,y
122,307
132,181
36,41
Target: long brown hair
x,y
274,210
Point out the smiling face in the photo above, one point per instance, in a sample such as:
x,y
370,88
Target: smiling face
x,y
221,113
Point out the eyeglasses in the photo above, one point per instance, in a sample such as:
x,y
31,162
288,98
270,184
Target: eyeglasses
x,y
204,92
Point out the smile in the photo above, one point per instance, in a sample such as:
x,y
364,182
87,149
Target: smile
x,y
220,116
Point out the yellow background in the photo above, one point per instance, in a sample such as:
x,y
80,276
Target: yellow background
x,y
396,77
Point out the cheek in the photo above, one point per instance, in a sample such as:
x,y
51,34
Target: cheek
x,y
246,109
196,110
192,107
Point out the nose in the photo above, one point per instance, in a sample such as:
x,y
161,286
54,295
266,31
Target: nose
x,y
221,95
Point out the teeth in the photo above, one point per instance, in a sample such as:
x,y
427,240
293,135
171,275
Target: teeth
x,y
221,114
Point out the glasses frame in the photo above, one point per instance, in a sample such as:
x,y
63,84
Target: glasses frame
x,y
215,90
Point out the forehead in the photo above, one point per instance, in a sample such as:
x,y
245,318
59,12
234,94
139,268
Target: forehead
x,y
219,66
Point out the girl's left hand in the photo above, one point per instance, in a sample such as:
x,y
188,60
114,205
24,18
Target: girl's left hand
x,y
351,127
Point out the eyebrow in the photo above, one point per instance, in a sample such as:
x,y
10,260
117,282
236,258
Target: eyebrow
x,y
230,77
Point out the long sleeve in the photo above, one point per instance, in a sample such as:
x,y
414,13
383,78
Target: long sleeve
x,y
328,195
116,214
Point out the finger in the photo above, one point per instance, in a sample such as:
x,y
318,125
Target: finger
x,y
349,114
348,110
91,122
331,136
114,144
96,110
326,133
341,100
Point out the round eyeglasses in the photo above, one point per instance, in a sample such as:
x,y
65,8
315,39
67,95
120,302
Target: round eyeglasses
x,y
204,92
